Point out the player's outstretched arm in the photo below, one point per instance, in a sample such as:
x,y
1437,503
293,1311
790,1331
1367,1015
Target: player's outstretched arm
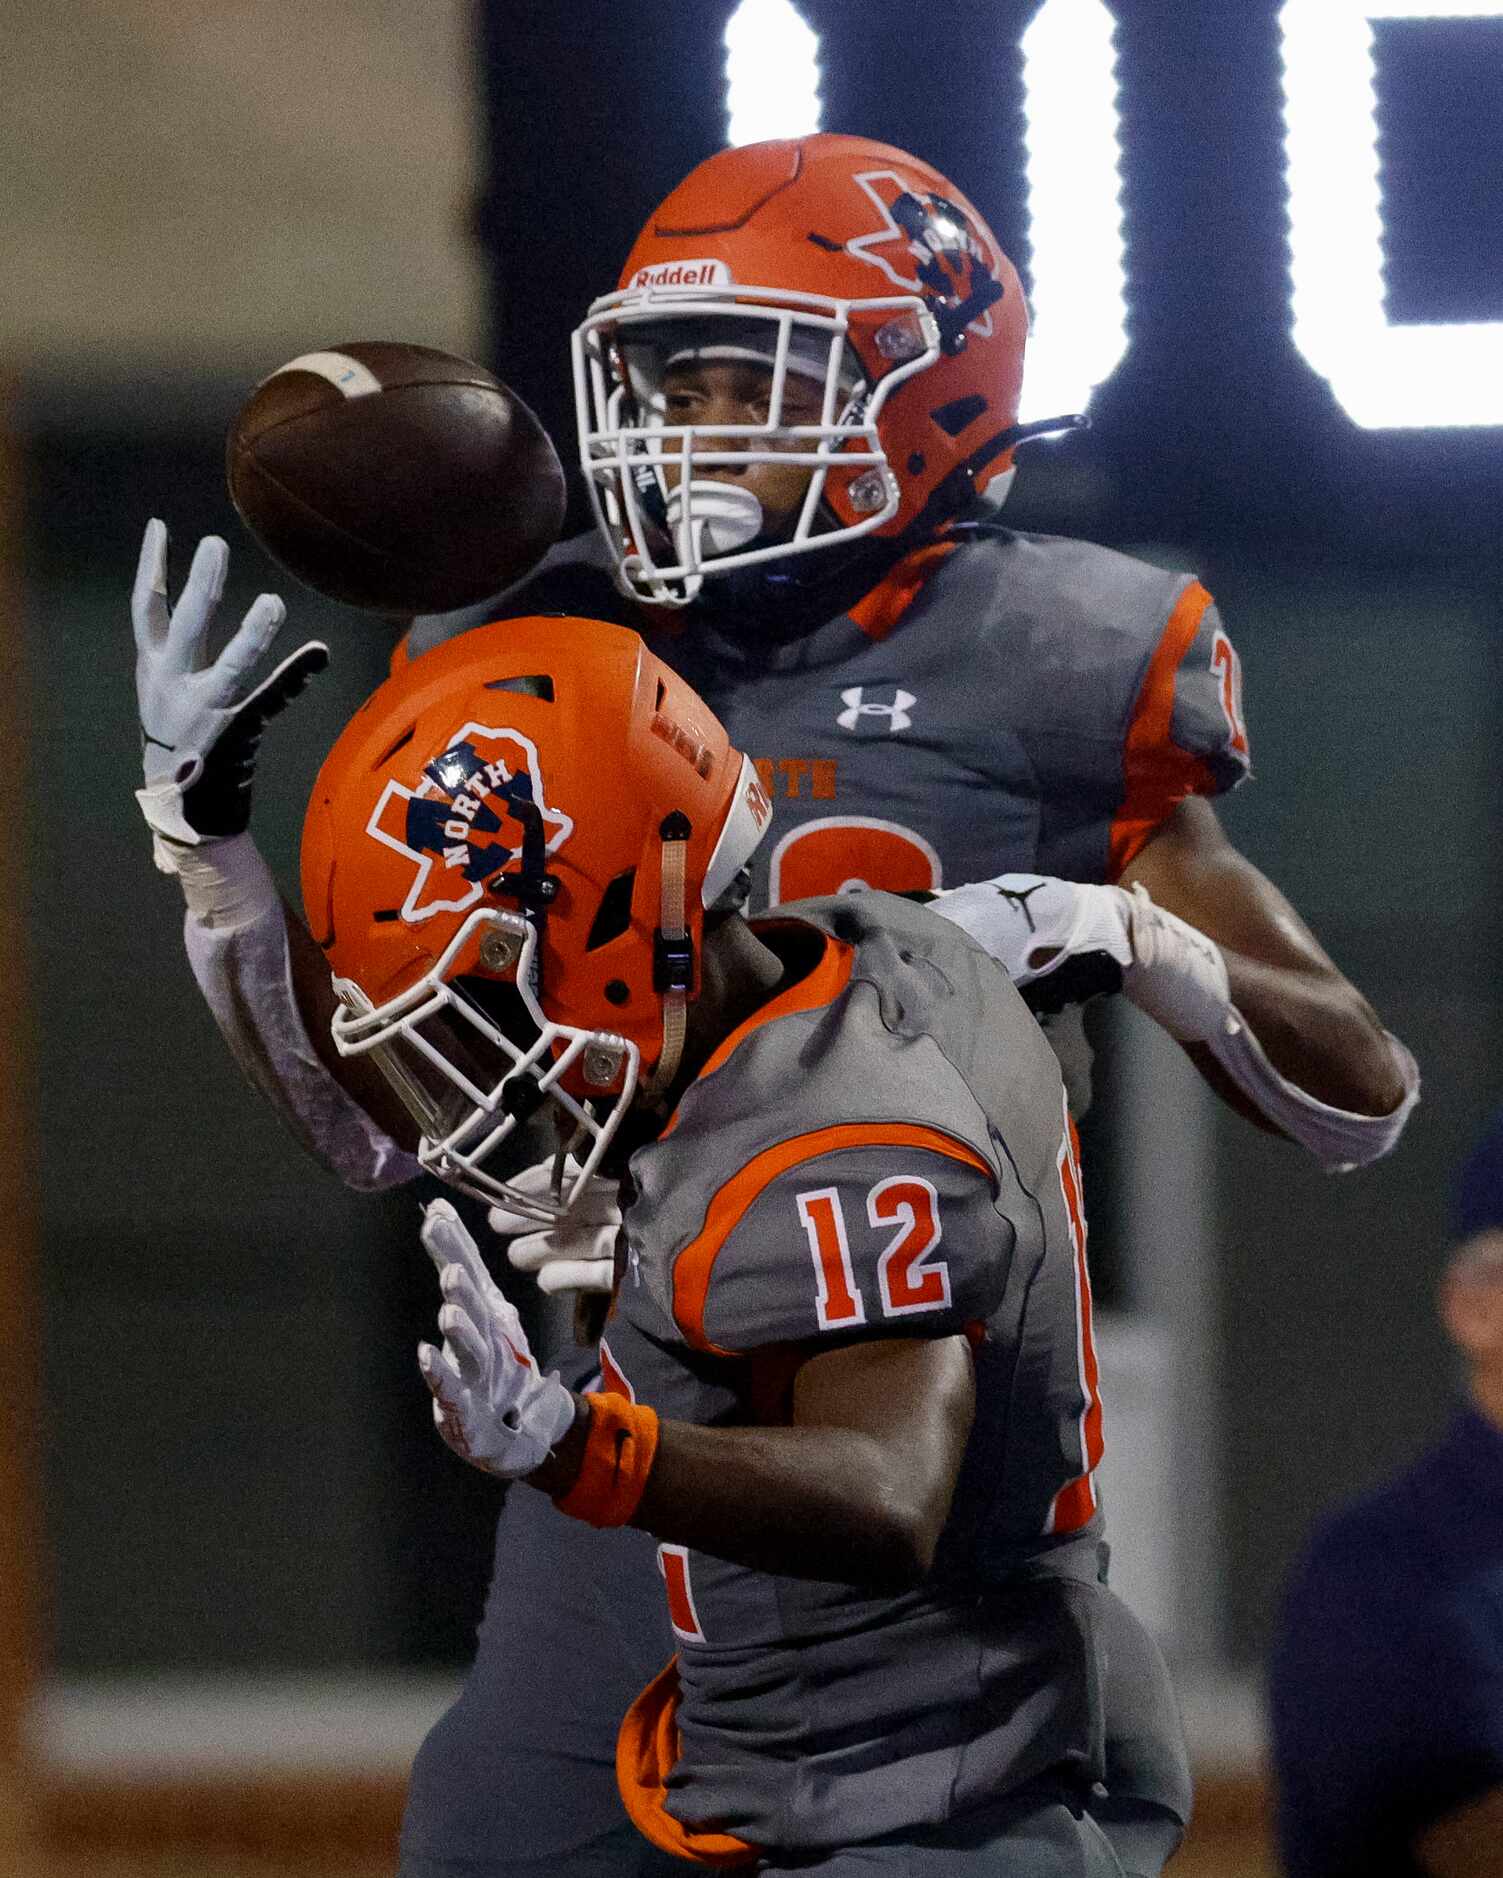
x,y
857,1489
259,969
353,1078
1209,948
1313,1029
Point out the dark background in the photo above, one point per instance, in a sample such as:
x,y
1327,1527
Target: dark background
x,y
210,1502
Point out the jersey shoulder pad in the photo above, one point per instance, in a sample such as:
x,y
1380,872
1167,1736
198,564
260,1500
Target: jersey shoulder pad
x,y
1064,632
1186,735
1056,599
847,1231
1114,675
1198,678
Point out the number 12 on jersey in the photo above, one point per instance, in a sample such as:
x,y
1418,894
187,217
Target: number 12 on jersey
x,y
909,1277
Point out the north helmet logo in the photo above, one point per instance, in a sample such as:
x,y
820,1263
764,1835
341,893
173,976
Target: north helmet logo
x,y
478,812
927,245
858,707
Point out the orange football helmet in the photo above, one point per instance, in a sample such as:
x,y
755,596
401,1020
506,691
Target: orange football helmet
x,y
834,259
507,859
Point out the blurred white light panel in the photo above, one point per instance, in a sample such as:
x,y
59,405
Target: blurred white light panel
x,y
1075,240
1384,375
771,72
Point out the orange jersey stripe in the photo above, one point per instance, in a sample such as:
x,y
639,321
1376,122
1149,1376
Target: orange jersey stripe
x,y
1151,786
1074,1504
877,612
696,1263
673,1563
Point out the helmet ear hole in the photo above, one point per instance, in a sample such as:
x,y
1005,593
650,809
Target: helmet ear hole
x,y
613,915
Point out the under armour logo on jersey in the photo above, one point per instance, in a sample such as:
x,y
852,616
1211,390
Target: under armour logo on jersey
x,y
857,707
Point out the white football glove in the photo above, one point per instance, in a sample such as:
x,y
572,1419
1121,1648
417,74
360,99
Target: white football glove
x,y
1038,928
576,1253
200,723
491,1403
1061,941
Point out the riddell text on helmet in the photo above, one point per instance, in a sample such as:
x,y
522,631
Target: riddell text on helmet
x,y
707,273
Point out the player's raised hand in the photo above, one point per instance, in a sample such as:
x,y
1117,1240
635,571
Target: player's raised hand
x,y
201,718
490,1401
576,1253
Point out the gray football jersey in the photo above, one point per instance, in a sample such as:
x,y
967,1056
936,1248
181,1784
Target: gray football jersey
x,y
882,1150
1033,704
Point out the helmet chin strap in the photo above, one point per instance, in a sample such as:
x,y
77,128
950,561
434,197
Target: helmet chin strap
x,y
673,952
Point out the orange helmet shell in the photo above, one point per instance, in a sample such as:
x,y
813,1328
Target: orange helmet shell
x,y
414,818
851,219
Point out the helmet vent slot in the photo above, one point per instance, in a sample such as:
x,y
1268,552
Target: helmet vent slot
x,y
614,913
532,685
401,742
954,417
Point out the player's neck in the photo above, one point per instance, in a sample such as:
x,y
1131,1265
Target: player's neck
x,y
738,974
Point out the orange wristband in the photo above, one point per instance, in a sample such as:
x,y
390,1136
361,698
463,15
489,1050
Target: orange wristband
x,y
619,1452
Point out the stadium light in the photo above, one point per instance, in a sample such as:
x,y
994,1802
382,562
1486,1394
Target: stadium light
x,y
1077,251
771,72
1385,375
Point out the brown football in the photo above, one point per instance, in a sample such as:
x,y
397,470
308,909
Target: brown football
x,y
395,478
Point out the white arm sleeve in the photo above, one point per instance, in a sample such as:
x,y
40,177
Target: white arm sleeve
x,y
1179,977
1339,1139
244,970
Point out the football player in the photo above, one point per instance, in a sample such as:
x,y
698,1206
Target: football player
x,y
798,414
845,1379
